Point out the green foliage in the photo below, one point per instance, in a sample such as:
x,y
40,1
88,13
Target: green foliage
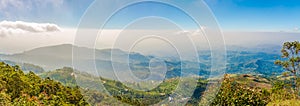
x,y
281,91
237,91
135,97
121,94
232,93
94,95
292,102
290,54
282,94
65,75
17,88
26,67
291,61
34,68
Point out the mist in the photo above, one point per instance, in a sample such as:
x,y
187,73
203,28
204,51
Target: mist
x,y
157,42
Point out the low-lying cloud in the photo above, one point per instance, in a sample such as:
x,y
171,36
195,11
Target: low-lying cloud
x,y
19,27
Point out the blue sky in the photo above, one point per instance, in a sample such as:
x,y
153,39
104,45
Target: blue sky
x,y
236,15
257,14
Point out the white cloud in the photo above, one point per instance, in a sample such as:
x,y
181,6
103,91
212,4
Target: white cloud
x,y
185,33
192,32
20,27
296,29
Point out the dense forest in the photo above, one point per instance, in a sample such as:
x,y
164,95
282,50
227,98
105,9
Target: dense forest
x,y
29,89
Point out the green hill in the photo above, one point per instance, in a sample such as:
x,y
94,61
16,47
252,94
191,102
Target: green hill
x,y
236,89
116,92
18,88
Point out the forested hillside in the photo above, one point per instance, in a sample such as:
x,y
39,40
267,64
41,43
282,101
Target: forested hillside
x,y
236,89
18,88
29,89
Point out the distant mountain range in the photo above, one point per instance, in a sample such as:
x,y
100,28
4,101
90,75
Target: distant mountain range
x,y
54,57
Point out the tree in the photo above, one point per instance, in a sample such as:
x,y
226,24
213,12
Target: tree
x,y
18,88
291,59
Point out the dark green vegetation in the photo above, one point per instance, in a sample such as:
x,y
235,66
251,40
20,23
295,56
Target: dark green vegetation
x,y
254,90
233,92
18,88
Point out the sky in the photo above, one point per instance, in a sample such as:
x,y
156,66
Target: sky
x,y
243,15
257,15
37,23
65,13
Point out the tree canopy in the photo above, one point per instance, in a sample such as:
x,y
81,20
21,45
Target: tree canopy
x,y
18,88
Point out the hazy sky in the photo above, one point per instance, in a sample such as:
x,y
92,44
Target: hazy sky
x,y
27,24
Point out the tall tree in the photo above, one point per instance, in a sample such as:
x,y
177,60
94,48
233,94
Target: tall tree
x,y
291,59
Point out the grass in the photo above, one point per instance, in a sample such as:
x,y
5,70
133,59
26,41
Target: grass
x,y
293,102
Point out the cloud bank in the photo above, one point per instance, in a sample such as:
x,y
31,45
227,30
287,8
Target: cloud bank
x,y
19,27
